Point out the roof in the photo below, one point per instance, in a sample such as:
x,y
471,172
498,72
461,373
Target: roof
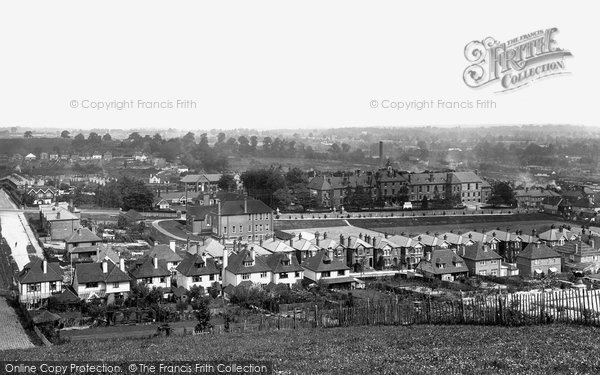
x,y
538,251
276,262
33,272
465,177
277,246
321,262
583,203
44,316
196,265
66,296
304,245
199,212
92,273
327,243
58,213
207,177
401,241
254,206
426,239
554,235
144,267
235,263
82,235
479,251
427,178
453,238
581,247
164,252
443,261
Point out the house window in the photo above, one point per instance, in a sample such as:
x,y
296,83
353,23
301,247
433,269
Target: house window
x,y
266,216
53,286
224,229
233,229
263,275
297,274
250,228
482,273
325,274
197,279
147,280
266,227
211,277
260,228
246,276
483,262
241,227
91,285
283,275
341,272
34,287
162,279
494,273
116,285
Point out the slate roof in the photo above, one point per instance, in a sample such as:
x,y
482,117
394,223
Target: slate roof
x,y
327,243
445,257
583,248
194,265
145,268
92,273
66,296
230,208
321,262
583,203
437,178
538,251
82,235
401,241
164,252
235,263
426,239
33,272
277,246
453,238
554,235
479,252
283,235
275,261
465,177
200,212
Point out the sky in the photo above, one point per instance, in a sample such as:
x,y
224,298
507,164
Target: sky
x,y
279,64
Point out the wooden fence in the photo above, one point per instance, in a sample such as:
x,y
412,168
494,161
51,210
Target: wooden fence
x,y
514,309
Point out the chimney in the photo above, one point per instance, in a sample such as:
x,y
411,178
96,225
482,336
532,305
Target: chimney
x,y
252,254
592,243
225,262
203,256
373,239
122,264
58,215
291,242
533,232
360,236
172,245
349,238
445,237
317,239
218,208
260,241
324,235
576,249
386,235
330,253
104,266
155,262
428,256
342,239
299,236
380,151
245,205
45,266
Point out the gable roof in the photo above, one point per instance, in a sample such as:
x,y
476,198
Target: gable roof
x,y
554,235
92,273
235,263
321,262
479,251
443,261
401,241
33,272
538,251
82,235
195,265
276,262
144,267
580,247
277,246
199,212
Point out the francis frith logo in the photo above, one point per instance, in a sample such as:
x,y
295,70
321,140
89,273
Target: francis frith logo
x,y
515,63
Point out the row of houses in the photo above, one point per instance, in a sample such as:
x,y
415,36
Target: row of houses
x,y
393,185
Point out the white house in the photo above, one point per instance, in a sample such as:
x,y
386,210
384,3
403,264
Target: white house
x,y
285,268
101,280
154,179
197,270
245,266
39,280
322,267
153,273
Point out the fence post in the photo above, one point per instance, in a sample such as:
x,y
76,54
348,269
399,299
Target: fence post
x,y
429,308
462,309
316,321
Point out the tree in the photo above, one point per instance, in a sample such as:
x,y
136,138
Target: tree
x,y
221,137
65,134
28,134
203,314
502,193
424,203
106,137
94,138
296,176
359,198
262,183
227,183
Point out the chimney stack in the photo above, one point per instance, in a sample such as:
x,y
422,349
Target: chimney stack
x,y
45,266
225,262
324,235
203,258
245,205
576,249
172,245
428,256
330,254
122,264
592,243
349,238
155,262
252,254
291,242
104,266
317,239
373,239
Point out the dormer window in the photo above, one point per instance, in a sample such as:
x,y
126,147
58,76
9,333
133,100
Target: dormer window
x,y
200,265
247,263
457,264
285,262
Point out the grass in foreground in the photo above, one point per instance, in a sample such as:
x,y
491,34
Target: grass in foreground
x,y
364,350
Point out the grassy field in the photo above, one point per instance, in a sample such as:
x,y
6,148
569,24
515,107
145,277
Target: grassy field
x,y
555,349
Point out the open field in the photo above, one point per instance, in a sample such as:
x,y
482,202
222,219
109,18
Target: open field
x,y
363,350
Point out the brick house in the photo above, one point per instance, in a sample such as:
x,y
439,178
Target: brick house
x,y
538,259
443,264
481,260
82,237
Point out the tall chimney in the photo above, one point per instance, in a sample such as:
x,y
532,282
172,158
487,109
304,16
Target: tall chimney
x,y
576,249
317,239
245,205
104,266
349,238
291,242
45,266
324,235
381,151
122,264
155,262
172,245
225,262
252,254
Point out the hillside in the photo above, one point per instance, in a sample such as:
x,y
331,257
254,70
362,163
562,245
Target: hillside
x,y
364,350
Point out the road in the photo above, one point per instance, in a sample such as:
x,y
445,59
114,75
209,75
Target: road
x,y
165,232
16,231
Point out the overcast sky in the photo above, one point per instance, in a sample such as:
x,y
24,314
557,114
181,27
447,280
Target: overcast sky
x,y
270,64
